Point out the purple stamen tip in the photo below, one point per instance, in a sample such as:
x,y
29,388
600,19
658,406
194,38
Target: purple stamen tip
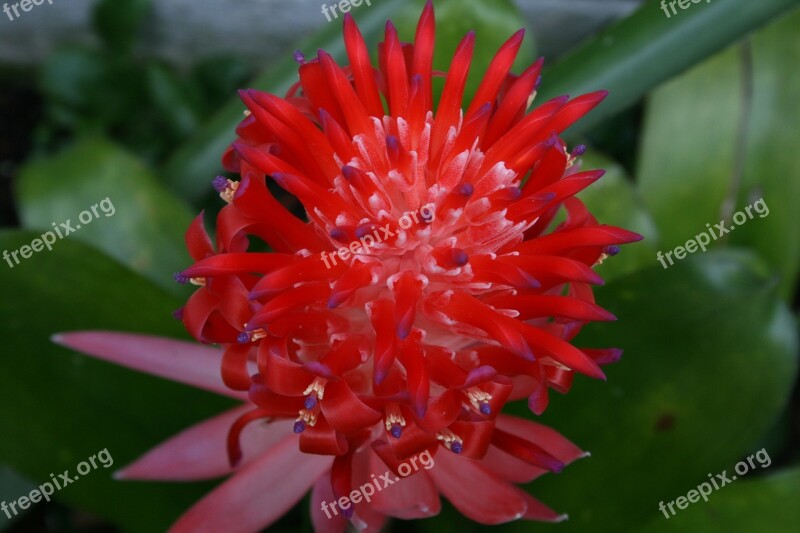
x,y
299,426
397,431
220,183
538,82
338,234
612,250
466,189
460,257
486,408
350,173
180,278
456,447
243,338
299,57
348,513
363,230
311,401
393,146
178,314
579,150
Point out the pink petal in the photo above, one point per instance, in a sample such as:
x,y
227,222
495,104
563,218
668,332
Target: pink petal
x,y
409,498
368,520
476,492
257,495
547,438
539,511
199,452
184,362
325,522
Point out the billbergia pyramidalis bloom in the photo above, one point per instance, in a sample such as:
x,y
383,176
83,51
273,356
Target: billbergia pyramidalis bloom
x,y
426,282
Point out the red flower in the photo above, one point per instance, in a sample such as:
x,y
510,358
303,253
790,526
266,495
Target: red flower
x,y
422,289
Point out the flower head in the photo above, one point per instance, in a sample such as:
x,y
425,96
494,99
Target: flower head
x,y
422,286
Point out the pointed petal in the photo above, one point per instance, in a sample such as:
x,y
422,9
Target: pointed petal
x,y
257,495
322,515
477,493
199,452
184,362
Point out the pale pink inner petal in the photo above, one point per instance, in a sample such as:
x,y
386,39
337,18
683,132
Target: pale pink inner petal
x,y
325,522
408,498
258,494
477,493
185,362
200,452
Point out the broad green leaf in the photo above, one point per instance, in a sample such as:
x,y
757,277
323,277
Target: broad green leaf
x,y
688,153
62,407
722,137
763,504
647,48
772,169
614,200
710,359
192,167
142,225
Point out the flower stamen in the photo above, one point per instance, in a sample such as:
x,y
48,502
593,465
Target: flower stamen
x,y
394,421
479,400
450,440
225,187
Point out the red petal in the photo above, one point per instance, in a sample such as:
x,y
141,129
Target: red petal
x,y
344,411
197,240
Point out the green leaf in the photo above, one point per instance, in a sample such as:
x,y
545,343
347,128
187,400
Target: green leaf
x,y
614,200
647,48
685,172
694,177
193,165
751,505
710,359
178,102
64,407
141,225
118,21
772,169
